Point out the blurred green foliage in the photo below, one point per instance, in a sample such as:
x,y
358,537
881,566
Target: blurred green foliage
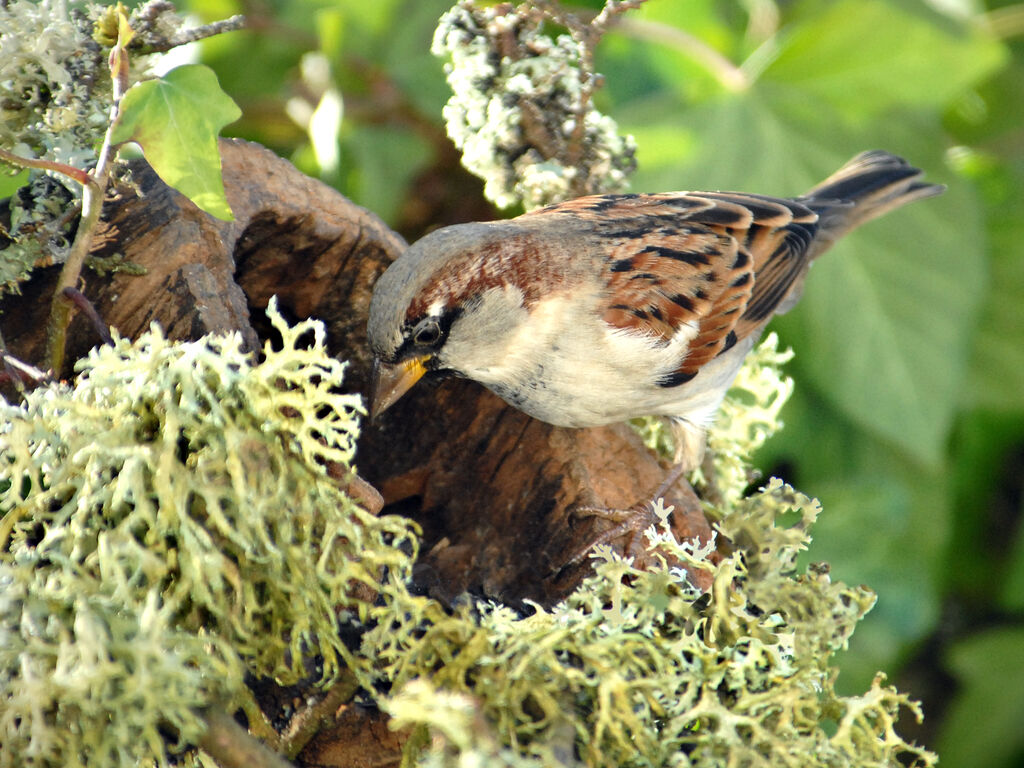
x,y
908,415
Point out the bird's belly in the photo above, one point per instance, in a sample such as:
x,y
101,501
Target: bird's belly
x,y
567,391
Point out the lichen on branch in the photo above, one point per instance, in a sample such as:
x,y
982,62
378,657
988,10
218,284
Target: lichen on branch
x,y
521,109
639,668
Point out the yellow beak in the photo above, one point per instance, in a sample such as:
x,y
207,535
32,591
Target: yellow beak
x,y
390,382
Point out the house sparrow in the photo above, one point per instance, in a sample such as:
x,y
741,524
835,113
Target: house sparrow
x,y
608,307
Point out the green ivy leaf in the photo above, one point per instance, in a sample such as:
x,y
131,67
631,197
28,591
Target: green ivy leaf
x,y
176,119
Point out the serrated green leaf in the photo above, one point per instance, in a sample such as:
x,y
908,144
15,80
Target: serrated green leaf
x,y
864,57
176,120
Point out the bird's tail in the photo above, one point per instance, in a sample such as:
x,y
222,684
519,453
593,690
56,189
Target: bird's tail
x,y
868,186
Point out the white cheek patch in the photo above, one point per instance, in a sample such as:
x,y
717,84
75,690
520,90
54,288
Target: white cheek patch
x,y
486,332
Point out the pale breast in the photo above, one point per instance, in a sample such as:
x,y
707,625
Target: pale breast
x,y
568,368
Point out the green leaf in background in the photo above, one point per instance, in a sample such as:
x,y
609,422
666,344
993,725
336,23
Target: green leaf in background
x,y
1012,598
997,370
887,317
176,120
982,726
864,57
385,162
987,459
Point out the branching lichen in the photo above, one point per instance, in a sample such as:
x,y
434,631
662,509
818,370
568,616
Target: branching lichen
x,y
518,97
169,526
55,106
638,667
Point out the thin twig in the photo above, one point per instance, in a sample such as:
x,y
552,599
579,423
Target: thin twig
x,y
231,746
18,373
185,36
309,721
76,174
92,206
78,299
613,8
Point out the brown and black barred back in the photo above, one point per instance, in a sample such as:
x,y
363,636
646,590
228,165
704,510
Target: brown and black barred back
x,y
723,263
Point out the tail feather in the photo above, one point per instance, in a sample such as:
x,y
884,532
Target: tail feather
x,y
868,186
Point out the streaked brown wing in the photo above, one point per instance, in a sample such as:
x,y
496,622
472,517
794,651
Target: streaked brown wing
x,y
778,239
718,262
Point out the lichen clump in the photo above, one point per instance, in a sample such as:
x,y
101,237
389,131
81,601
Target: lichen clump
x,y
169,527
54,98
517,98
54,104
640,668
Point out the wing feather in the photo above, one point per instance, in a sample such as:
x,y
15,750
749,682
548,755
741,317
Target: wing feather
x,y
712,264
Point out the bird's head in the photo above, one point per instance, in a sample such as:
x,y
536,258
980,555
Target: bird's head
x,y
449,304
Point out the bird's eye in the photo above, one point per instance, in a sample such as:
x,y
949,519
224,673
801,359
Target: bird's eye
x,y
427,333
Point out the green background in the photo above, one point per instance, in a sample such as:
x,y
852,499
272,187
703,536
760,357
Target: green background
x,y
908,416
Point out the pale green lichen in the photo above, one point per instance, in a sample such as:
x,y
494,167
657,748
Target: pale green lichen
x,y
54,97
54,104
169,526
639,668
517,96
55,101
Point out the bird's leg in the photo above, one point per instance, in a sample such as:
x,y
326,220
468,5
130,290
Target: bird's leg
x,y
690,442
710,491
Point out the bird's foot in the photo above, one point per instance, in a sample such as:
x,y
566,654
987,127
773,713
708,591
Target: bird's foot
x,y
629,521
